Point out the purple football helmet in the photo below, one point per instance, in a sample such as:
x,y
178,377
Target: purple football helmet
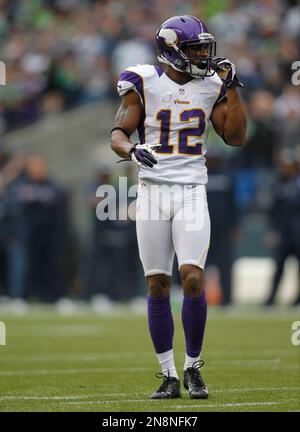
x,y
180,35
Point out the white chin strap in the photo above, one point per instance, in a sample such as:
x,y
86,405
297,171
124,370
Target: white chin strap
x,y
193,71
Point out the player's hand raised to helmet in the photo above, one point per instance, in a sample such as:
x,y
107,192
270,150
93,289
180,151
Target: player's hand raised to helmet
x,y
227,72
144,154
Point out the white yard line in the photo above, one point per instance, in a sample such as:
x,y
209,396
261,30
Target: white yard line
x,y
70,356
102,402
70,371
101,355
251,389
227,405
103,395
200,404
14,398
275,363
111,355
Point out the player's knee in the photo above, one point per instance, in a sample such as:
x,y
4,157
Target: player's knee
x,y
193,283
158,286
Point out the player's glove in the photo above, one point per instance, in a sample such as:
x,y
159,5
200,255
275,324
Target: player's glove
x,y
226,71
144,154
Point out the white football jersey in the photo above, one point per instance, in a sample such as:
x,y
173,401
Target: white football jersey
x,y
177,116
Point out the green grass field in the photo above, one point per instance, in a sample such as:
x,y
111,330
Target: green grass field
x,y
106,363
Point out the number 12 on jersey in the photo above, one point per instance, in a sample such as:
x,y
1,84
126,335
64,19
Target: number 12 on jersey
x,y
164,116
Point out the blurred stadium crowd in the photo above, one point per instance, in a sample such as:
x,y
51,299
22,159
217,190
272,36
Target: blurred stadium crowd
x,y
60,54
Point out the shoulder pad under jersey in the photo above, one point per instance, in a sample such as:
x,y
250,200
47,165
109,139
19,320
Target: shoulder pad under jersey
x,y
136,78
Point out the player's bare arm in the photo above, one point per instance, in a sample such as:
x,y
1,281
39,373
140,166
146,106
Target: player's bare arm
x,y
127,119
229,119
126,122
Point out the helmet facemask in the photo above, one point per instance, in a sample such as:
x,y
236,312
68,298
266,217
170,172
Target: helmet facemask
x,y
197,65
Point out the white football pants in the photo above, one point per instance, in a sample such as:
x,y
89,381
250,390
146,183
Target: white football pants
x,y
169,219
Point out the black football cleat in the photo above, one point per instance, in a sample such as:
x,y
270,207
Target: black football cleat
x,y
169,389
193,381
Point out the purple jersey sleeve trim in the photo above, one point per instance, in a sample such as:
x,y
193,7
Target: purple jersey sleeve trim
x,y
222,94
159,70
135,79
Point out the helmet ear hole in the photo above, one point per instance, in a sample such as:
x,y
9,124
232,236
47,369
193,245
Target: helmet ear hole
x,y
179,63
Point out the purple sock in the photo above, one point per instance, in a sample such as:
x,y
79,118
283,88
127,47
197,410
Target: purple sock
x,y
193,316
160,322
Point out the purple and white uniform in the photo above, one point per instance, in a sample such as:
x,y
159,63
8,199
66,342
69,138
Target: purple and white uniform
x,y
177,117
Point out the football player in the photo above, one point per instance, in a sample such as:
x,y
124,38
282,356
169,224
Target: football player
x,y
172,106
